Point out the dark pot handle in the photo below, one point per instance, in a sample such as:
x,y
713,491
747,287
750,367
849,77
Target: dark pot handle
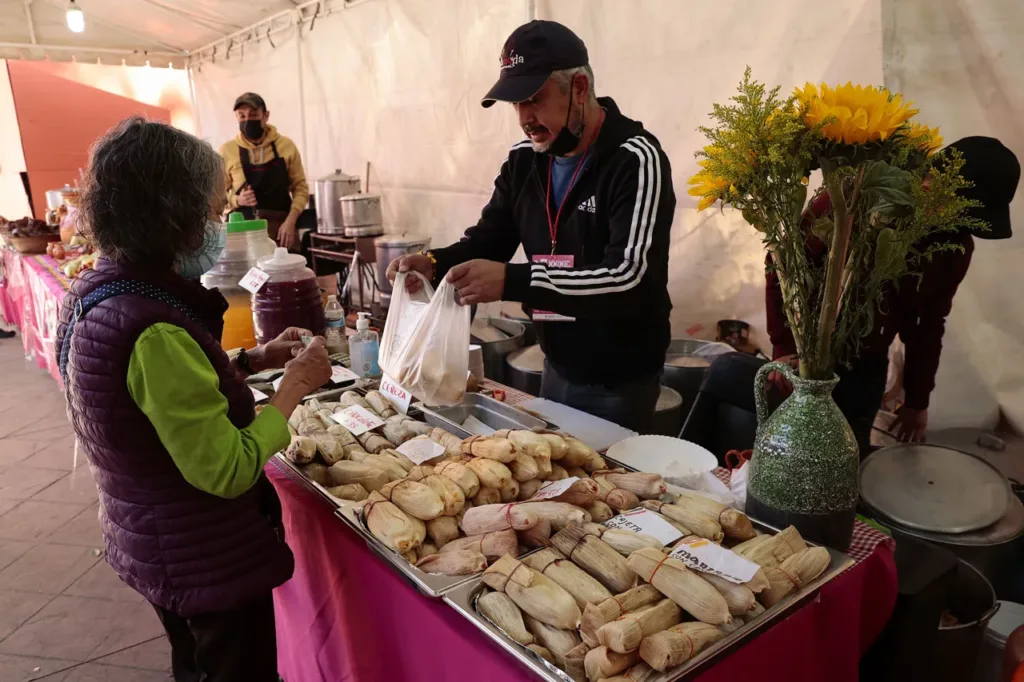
x,y
760,395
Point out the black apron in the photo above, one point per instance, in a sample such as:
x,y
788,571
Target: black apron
x,y
272,185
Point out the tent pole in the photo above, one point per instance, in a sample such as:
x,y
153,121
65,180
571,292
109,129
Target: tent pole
x,y
302,88
195,102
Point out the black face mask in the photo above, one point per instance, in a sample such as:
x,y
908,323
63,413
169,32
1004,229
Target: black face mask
x,y
567,140
252,129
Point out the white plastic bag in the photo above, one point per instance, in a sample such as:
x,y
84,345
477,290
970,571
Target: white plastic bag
x,y
425,347
738,484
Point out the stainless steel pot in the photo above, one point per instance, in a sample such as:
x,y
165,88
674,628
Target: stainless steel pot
x,y
495,351
360,210
328,190
684,372
391,247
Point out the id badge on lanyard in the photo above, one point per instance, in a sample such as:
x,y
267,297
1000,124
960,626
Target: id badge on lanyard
x,y
560,260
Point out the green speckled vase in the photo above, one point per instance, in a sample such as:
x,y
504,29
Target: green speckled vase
x,y
805,467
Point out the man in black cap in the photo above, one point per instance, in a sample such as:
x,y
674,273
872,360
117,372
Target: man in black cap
x,y
265,177
589,198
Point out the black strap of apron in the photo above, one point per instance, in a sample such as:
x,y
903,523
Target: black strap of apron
x,y
111,290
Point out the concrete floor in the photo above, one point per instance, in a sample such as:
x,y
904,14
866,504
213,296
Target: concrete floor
x,y
64,615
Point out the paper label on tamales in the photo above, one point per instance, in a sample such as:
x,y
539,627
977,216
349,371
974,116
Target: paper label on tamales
x,y
253,280
357,419
554,489
646,522
707,557
420,450
341,375
395,394
258,395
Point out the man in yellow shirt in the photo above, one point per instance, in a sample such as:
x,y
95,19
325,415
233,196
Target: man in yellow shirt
x,y
265,178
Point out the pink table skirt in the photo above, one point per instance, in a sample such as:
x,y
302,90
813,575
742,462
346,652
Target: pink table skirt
x,y
346,616
30,297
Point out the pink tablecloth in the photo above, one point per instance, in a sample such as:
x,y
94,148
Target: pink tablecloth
x,y
30,297
346,616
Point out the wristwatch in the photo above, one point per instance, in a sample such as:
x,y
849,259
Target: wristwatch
x,y
242,359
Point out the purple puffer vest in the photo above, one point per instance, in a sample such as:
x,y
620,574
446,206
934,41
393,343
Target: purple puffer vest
x,y
183,549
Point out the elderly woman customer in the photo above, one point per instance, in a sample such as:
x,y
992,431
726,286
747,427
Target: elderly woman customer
x,y
165,418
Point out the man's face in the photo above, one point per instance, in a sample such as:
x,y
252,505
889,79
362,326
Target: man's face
x,y
542,116
249,113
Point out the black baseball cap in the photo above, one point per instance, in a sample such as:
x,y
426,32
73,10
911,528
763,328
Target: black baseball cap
x,y
251,99
531,54
995,172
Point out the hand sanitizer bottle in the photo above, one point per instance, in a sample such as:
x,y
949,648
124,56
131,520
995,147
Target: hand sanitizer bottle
x,y
363,349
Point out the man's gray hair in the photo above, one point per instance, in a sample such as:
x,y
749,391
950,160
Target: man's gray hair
x,y
148,192
564,78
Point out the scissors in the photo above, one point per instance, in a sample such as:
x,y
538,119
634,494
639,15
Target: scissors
x,y
734,459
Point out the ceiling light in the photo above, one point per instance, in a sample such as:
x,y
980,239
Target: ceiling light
x,y
75,18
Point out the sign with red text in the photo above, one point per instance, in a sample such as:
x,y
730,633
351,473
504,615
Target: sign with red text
x,y
253,280
707,557
554,489
646,522
341,375
559,260
358,420
395,394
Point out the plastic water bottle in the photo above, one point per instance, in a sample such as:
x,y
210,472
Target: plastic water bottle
x,y
363,349
335,333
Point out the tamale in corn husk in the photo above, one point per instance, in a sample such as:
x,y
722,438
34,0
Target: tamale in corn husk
x,y
427,548
452,444
543,652
443,530
616,498
350,398
625,542
491,473
596,615
487,495
577,452
494,517
599,511
699,523
574,663
624,634
602,662
557,444
641,672
643,485
352,492
577,472
499,608
396,432
510,491
795,572
681,585
412,556
524,467
583,588
463,562
559,514
462,477
537,595
491,545
452,497
528,489
558,641
754,612
538,536
734,523
400,459
373,442
489,447
391,525
301,450
558,472
675,524
582,493
771,550
668,648
591,554
729,628
319,473
371,477
416,499
738,597
380,405
389,464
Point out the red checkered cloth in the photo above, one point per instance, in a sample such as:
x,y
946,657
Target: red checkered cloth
x,y
865,538
512,396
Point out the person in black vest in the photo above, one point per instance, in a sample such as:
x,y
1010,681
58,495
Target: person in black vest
x,y
265,178
589,198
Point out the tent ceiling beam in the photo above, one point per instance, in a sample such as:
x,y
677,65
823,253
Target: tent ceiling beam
x,y
214,25
90,50
179,51
31,22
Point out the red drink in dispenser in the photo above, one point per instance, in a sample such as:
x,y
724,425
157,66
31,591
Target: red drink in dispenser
x,y
290,298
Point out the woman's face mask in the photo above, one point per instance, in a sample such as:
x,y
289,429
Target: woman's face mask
x,y
199,263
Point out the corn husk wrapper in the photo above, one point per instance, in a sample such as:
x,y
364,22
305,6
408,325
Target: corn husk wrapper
x,y
487,495
415,499
418,473
771,550
463,562
489,447
350,398
616,498
559,514
556,640
675,524
537,595
542,651
412,556
528,489
625,542
729,628
388,464
494,517
373,442
355,453
462,476
524,467
452,443
739,598
499,608
419,428
536,446
795,572
407,464
596,615
371,477
599,511
442,530
451,495
576,452
558,446
583,588
391,525
602,663
299,415
641,672
352,492
735,524
510,491
699,523
678,644
591,554
538,536
574,663
558,472
396,432
329,448
578,472
677,582
343,435
491,473
755,612
462,512
381,405
582,493
491,545
625,634
645,486
301,450
318,473
427,548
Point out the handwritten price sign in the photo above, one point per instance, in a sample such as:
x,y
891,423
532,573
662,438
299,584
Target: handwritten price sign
x,y
707,557
254,280
421,449
554,489
395,394
358,420
341,375
646,522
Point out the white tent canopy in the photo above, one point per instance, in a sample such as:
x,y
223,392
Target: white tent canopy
x,y
397,83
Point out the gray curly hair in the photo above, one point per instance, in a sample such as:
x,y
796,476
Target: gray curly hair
x,y
564,78
148,192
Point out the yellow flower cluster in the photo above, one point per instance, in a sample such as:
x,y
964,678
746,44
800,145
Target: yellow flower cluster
x,y
706,185
856,114
923,137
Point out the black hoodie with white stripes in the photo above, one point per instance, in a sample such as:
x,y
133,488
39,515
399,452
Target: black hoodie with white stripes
x,y
616,223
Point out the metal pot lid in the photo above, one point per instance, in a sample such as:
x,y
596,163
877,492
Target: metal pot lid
x,y
360,198
934,489
401,240
338,176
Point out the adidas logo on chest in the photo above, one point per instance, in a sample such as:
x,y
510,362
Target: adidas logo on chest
x,y
590,206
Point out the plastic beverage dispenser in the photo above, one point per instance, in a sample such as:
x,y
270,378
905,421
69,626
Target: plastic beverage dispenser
x,y
290,298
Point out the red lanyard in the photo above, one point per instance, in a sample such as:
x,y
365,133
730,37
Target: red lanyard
x,y
553,224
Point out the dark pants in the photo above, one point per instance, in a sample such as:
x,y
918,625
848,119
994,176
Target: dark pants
x,y
859,396
239,645
630,405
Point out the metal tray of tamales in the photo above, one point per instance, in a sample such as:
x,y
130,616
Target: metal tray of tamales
x,y
464,598
487,414
295,471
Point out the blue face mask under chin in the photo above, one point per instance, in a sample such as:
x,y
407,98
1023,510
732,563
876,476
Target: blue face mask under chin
x,y
199,263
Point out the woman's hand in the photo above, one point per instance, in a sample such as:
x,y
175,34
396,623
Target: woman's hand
x,y
310,370
277,353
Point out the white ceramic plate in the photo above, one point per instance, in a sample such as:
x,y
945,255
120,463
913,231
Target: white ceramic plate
x,y
663,455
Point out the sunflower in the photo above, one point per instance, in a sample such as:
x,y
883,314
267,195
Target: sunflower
x,y
853,114
923,137
710,188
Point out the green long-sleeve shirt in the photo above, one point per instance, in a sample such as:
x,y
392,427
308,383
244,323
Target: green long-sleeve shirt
x,y
174,384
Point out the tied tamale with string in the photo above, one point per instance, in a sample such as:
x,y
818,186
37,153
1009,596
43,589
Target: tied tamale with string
x,y
594,556
535,594
584,588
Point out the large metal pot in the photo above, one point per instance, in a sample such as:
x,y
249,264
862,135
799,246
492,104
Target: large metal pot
x,y
495,351
684,372
391,247
328,190
361,215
